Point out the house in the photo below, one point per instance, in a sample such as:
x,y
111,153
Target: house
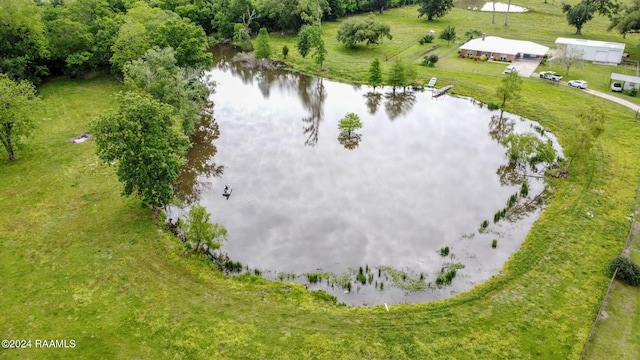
x,y
497,48
597,51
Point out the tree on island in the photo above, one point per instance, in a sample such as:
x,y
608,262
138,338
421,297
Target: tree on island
x,y
348,138
375,74
509,88
434,8
199,230
262,47
17,99
143,141
349,123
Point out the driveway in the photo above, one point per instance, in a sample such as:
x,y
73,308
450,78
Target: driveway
x,y
526,67
624,102
609,97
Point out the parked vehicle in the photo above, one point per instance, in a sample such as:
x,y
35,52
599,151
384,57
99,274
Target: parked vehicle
x,y
616,86
550,75
580,84
510,68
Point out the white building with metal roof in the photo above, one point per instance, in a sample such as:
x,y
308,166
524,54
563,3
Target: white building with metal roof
x,y
594,50
497,48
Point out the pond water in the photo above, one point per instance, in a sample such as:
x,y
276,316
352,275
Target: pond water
x,y
422,173
483,5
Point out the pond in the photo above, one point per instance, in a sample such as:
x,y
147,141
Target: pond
x,y
422,174
483,5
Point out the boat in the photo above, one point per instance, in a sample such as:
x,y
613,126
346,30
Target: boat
x,y
432,82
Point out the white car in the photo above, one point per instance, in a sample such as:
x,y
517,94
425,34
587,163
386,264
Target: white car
x,y
616,86
580,84
509,69
550,75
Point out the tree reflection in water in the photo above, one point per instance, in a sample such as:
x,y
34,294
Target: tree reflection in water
x,y
398,104
349,141
373,102
313,94
500,126
200,162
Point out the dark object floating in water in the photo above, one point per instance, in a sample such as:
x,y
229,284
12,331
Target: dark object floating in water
x,y
227,191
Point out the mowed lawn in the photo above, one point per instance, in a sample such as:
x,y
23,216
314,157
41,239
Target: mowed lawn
x,y
79,262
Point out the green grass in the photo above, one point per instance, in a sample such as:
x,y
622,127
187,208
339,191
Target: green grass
x,y
79,262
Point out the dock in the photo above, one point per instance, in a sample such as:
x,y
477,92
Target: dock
x,y
442,90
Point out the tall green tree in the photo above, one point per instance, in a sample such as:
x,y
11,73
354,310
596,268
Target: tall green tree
x,y
627,21
528,150
143,141
352,31
579,14
241,37
187,39
23,45
509,88
397,75
375,74
303,43
199,230
583,133
262,48
449,34
434,8
17,99
158,75
319,50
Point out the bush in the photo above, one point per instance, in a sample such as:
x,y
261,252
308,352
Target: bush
x,y
493,106
483,58
285,51
427,39
431,60
494,243
628,272
631,92
444,251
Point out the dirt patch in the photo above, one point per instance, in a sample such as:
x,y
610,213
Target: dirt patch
x,y
250,62
84,137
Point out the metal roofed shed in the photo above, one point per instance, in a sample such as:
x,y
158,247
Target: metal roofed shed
x,y
594,50
628,81
497,48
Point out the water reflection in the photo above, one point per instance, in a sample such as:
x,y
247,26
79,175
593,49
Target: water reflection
x,y
313,95
350,140
500,126
373,102
301,204
399,104
200,160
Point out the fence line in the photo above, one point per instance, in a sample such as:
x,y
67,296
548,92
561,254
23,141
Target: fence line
x,y
606,295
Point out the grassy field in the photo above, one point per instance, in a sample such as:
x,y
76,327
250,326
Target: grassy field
x,y
79,262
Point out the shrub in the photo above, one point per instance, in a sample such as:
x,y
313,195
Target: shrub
x,y
494,243
484,224
444,251
628,271
483,58
524,190
431,60
427,39
493,106
285,51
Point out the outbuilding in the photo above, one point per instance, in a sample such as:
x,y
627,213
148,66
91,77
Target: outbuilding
x,y
628,82
597,51
497,48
